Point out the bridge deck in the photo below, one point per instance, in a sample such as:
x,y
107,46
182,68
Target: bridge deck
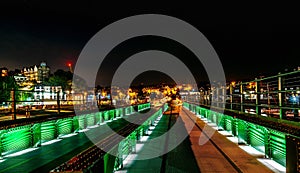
x,y
188,156
218,155
210,161
180,159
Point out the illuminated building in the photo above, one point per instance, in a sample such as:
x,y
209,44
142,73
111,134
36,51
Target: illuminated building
x,y
43,72
31,73
20,79
38,74
48,92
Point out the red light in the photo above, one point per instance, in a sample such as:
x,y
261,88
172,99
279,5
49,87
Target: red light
x,y
69,64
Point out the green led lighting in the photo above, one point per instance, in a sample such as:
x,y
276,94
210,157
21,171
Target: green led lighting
x,y
90,119
111,114
99,117
271,142
15,139
81,122
23,137
64,126
48,130
106,115
128,145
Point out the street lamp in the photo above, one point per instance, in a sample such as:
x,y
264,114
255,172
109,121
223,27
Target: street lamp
x,y
70,66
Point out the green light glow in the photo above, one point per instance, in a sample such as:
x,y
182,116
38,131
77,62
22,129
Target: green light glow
x,y
271,142
278,147
64,126
48,130
81,122
36,132
99,117
106,115
257,136
23,137
90,119
111,114
16,139
128,145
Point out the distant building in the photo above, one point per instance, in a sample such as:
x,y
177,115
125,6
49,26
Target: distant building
x,y
4,72
20,79
37,73
43,72
31,73
48,92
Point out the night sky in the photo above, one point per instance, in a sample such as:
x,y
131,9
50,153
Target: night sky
x,y
252,40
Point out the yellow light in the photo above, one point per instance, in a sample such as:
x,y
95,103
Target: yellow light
x,y
233,83
173,91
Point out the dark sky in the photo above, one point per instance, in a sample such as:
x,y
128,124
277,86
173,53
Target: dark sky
x,y
250,39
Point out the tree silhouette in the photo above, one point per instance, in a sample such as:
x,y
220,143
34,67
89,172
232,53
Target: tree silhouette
x,y
7,84
60,78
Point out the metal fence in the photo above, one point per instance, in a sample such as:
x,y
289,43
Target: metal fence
x,y
274,96
26,104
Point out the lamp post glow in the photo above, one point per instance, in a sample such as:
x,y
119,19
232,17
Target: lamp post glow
x,y
70,66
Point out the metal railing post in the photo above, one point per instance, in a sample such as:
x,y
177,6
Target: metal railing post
x,y
280,96
257,99
242,97
209,97
223,96
217,97
58,102
231,95
13,104
205,97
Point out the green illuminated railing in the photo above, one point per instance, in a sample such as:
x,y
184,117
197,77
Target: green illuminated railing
x,y
268,141
99,160
90,120
48,130
143,106
15,139
128,145
111,114
64,126
128,110
99,117
278,147
22,137
36,134
242,131
258,137
81,122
